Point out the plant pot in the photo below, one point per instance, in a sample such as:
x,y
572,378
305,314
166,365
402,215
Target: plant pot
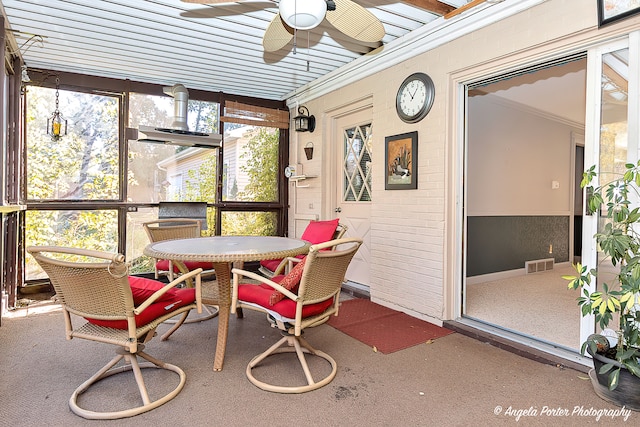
x,y
627,393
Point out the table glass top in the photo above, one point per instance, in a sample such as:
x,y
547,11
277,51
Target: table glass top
x,y
228,248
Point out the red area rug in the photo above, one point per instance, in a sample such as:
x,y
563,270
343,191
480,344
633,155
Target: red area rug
x,y
383,328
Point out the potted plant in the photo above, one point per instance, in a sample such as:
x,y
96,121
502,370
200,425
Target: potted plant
x,y
616,303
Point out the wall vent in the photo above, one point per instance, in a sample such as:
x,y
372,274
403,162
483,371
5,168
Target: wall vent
x,y
538,265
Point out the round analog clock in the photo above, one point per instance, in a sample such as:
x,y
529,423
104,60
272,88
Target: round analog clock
x,y
415,97
289,171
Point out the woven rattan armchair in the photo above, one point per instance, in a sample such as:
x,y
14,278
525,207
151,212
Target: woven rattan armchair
x,y
273,267
95,286
171,229
306,297
180,228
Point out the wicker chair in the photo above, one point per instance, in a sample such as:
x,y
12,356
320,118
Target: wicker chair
x,y
180,228
306,297
273,267
96,287
170,229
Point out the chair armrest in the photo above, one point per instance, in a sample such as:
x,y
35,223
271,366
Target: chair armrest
x,y
183,278
237,273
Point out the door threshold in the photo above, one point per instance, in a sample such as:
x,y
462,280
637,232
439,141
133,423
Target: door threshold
x,y
356,290
521,345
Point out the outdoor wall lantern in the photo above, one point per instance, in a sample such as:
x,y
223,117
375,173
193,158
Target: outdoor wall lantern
x,y
56,125
308,150
303,122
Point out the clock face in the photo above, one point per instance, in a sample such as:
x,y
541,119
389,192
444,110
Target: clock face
x,y
415,97
289,171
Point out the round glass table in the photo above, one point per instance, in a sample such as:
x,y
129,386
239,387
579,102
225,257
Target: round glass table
x,y
222,252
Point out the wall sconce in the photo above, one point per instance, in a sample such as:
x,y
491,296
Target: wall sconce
x,y
56,125
308,150
304,122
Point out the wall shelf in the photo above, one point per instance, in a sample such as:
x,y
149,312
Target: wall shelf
x,y
12,208
298,178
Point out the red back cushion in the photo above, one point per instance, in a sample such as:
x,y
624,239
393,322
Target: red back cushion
x,y
320,231
289,282
271,264
142,288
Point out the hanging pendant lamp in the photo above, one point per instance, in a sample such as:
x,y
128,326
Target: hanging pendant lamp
x,y
56,125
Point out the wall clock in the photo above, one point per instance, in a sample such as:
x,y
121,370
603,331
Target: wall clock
x,y
289,171
415,97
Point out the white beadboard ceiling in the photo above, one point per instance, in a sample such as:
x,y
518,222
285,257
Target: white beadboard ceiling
x,y
214,48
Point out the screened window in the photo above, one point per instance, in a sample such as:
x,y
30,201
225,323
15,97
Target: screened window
x,y
159,172
250,163
82,165
88,229
89,189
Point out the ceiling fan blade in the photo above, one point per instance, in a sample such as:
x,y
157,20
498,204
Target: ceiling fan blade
x,y
356,21
277,35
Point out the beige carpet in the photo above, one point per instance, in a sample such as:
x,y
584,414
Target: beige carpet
x,y
454,381
538,304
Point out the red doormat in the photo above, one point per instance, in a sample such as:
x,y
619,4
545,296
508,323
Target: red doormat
x,y
383,328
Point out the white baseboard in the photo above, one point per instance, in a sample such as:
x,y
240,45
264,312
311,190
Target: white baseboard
x,y
483,278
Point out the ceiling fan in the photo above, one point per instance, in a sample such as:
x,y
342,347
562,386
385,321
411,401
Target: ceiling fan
x,y
346,16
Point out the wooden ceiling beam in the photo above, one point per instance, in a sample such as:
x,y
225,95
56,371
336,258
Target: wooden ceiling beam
x,y
461,9
433,6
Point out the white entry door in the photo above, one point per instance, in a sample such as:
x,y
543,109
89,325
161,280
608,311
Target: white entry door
x,y
352,139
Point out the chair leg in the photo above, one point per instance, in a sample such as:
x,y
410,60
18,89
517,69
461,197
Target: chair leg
x,y
176,325
210,313
299,346
132,365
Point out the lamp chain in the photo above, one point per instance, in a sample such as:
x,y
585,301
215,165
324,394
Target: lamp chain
x,y
57,94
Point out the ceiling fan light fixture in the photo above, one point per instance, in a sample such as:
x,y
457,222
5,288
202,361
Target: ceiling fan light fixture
x,y
303,14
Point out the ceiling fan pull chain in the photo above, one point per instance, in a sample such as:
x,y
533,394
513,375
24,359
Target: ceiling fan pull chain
x,y
308,49
295,40
295,26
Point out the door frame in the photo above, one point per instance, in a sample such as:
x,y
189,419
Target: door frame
x,y
454,269
329,179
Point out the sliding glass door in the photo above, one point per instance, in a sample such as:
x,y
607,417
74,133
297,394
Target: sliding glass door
x,y
611,138
529,135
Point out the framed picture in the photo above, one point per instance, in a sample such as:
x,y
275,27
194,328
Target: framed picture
x,y
613,10
401,159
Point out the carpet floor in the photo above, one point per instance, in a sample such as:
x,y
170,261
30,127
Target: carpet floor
x,y
383,329
453,381
539,305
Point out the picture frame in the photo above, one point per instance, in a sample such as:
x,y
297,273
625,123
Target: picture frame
x,y
401,160
614,10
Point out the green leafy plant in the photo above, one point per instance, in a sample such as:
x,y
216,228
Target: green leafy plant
x,y
619,298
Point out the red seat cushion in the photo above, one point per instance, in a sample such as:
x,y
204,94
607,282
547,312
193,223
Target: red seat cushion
x,y
286,307
143,288
163,265
320,231
271,264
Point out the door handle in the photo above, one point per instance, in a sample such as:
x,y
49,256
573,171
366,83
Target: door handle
x,y
338,209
